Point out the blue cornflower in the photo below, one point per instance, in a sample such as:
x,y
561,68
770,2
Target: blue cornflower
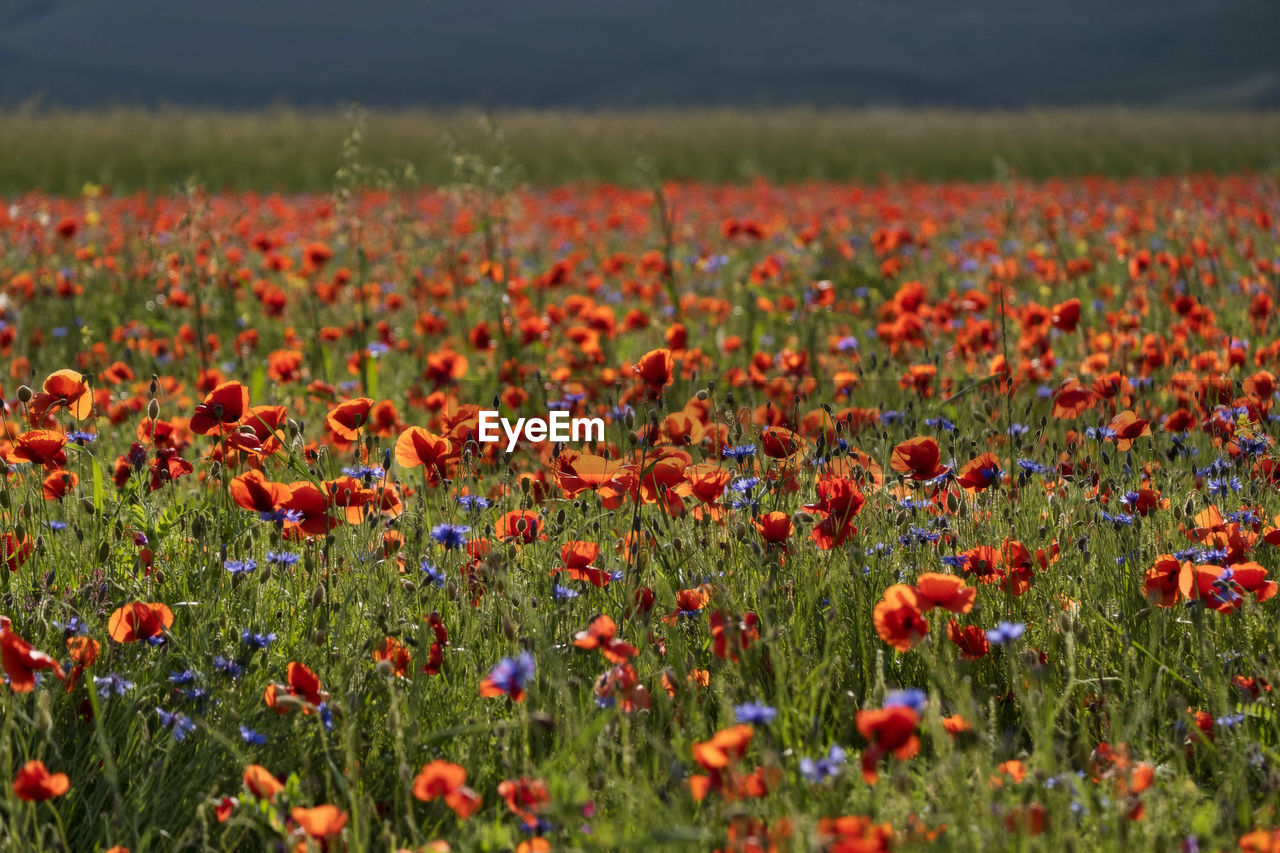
x,y
71,626
279,516
1223,486
941,423
240,567
111,683
912,697
226,666
450,535
1244,516
956,561
473,503
1005,632
563,593
742,451
283,558
1100,433
433,574
178,723
755,712
249,736
817,770
57,526
918,536
256,641
1016,430
187,676
512,674
82,438
1118,518
366,473
889,417
1253,446
1230,720
744,484
1031,466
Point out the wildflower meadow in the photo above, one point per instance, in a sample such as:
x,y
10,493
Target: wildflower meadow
x,y
926,516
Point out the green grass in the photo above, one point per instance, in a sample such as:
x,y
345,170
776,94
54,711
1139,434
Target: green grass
x,y
291,150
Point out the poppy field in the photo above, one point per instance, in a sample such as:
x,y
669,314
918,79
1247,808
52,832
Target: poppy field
x,y
927,517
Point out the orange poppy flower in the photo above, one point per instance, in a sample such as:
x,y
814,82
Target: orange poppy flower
x,y
1168,580
416,446
898,618
396,654
346,419
40,447
256,493
319,822
68,388
259,782
139,621
442,779
948,591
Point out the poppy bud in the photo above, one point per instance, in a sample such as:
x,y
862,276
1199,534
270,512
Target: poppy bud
x,y
153,409
317,596
86,506
408,586
24,394
383,668
702,394
319,637
508,628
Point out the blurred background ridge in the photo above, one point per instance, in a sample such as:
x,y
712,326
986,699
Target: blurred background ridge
x,y
642,53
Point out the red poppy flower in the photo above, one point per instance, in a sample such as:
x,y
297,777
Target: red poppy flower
x,y
21,661
918,458
891,731
225,405
655,368
35,783
303,684
602,633
774,527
